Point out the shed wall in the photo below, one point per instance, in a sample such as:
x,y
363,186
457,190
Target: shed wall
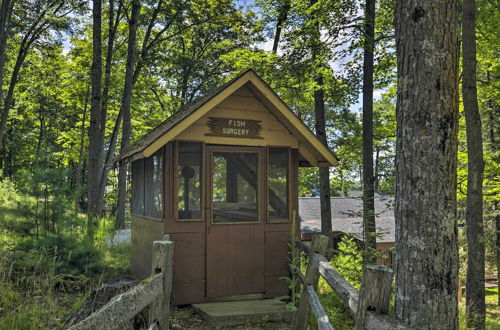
x,y
144,232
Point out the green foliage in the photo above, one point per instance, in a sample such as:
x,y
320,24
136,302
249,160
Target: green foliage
x,y
348,261
339,314
45,274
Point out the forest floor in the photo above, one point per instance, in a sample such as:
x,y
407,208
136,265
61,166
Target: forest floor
x,y
492,310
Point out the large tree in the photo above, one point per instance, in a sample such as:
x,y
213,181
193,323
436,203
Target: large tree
x,y
95,143
476,308
125,107
320,121
369,231
34,22
426,163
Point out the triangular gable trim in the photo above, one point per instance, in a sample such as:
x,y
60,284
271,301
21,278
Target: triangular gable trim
x,y
293,123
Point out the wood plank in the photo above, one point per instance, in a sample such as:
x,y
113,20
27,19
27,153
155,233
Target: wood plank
x,y
259,257
188,244
217,246
277,253
163,258
237,102
144,232
350,296
375,292
244,91
317,309
276,286
188,291
189,267
319,245
123,307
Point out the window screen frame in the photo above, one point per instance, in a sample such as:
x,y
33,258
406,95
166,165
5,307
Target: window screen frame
x,y
175,181
261,181
135,185
288,186
161,153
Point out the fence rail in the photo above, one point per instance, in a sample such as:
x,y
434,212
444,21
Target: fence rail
x,y
369,305
154,291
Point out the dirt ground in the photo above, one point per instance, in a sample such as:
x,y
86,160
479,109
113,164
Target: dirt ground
x,y
185,317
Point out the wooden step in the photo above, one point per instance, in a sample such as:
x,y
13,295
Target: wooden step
x,y
230,313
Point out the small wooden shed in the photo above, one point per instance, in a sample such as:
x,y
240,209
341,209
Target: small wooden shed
x,y
220,176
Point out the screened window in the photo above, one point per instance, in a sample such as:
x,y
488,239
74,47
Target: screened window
x,y
147,182
138,187
234,187
277,182
189,180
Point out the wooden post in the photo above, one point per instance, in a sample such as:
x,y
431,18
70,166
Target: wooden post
x,y
163,257
319,245
375,292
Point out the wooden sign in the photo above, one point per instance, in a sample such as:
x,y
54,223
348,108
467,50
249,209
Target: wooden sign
x,y
232,127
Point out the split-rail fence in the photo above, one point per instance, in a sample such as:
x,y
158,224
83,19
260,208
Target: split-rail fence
x,y
369,305
154,291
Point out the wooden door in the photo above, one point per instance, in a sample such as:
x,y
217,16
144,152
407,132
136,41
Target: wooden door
x,y
235,228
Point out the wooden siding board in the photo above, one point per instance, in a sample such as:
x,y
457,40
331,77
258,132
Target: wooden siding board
x,y
144,232
189,268
275,287
276,246
272,133
188,291
188,244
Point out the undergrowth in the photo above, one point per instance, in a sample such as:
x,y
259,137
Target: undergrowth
x,y
48,265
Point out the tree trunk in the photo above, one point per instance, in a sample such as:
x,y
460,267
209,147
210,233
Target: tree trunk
x,y
112,27
79,167
125,109
476,309
426,163
32,34
369,231
319,116
282,17
9,99
95,143
4,18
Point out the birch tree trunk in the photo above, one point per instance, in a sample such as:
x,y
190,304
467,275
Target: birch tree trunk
x,y
369,230
426,163
476,309
125,109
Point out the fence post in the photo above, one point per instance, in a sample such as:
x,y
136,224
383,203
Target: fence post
x,y
319,245
375,292
163,255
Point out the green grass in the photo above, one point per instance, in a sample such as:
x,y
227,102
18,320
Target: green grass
x,y
492,311
42,299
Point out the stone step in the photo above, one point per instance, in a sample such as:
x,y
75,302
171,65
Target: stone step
x,y
230,313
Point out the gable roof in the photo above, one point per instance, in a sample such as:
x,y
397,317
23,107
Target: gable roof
x,y
347,216
310,146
